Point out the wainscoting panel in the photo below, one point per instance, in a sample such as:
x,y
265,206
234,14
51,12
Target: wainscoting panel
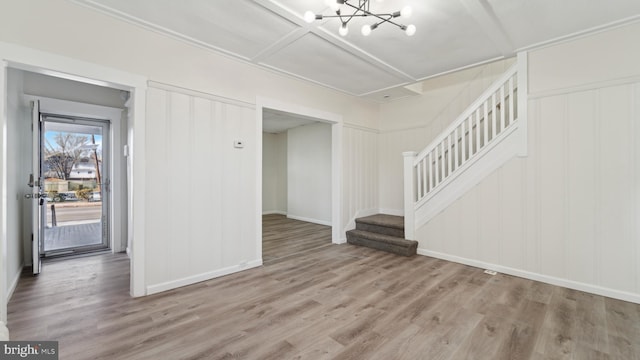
x,y
566,214
360,173
200,190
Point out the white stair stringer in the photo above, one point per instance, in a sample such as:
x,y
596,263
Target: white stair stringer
x,y
491,131
490,160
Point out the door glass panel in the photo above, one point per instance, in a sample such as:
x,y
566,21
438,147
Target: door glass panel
x,y
74,181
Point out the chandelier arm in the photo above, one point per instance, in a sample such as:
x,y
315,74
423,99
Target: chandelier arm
x,y
367,13
391,22
363,10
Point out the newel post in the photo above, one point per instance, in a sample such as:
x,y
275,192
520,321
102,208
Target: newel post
x,y
409,195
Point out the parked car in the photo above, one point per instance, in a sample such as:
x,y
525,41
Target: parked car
x,y
65,196
95,196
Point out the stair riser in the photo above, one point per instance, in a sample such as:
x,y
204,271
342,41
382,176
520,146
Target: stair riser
x,y
380,229
400,250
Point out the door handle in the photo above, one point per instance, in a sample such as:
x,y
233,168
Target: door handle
x,y
30,183
35,196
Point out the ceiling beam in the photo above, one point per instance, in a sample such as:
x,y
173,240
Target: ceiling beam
x,y
482,12
282,43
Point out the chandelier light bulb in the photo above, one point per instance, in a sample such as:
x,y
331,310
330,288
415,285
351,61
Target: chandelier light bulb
x,y
406,12
309,17
366,30
411,30
344,30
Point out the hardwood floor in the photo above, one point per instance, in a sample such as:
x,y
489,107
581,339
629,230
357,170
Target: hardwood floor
x,y
335,302
283,237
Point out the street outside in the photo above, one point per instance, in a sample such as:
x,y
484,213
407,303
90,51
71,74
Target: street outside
x,y
73,213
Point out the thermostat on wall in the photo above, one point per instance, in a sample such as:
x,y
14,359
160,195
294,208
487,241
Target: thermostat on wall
x,y
239,144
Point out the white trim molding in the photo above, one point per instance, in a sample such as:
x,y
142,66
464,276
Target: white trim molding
x,y
3,194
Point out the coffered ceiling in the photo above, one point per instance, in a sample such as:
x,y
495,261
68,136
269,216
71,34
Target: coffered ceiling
x,y
451,34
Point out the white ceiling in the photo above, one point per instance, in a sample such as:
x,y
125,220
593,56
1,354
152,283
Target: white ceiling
x,y
451,34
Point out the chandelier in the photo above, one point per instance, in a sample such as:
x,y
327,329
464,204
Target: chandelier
x,y
362,10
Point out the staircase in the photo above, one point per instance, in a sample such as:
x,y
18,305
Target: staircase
x,y
382,232
492,130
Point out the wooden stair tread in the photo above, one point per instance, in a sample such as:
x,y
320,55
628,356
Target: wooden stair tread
x,y
391,221
383,242
382,237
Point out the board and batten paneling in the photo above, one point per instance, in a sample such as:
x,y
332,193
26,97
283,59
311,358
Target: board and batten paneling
x,y
566,214
359,173
200,191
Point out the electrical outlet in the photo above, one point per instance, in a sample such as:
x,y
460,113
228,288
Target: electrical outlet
x,y
490,272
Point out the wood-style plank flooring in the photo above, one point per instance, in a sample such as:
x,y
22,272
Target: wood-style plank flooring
x,y
335,302
283,237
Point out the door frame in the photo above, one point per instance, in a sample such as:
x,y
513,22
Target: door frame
x,y
335,120
112,200
114,115
23,58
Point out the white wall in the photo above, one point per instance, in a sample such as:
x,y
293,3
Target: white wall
x,y
568,213
410,124
201,194
274,173
309,173
116,44
18,165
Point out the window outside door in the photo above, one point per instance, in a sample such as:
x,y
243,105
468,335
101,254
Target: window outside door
x,y
74,155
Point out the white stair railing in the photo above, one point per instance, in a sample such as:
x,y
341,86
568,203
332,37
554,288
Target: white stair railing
x,y
492,117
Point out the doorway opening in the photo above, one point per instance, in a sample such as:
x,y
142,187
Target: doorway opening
x,y
76,177
300,178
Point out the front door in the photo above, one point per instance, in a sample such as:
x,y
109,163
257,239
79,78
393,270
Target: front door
x,y
74,169
37,189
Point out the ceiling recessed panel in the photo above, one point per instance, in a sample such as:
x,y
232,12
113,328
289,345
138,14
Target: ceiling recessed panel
x,y
241,27
316,59
451,34
531,22
447,37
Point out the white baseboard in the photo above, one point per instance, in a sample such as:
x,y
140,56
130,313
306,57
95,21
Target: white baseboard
x,y
315,221
594,289
14,284
154,289
274,212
